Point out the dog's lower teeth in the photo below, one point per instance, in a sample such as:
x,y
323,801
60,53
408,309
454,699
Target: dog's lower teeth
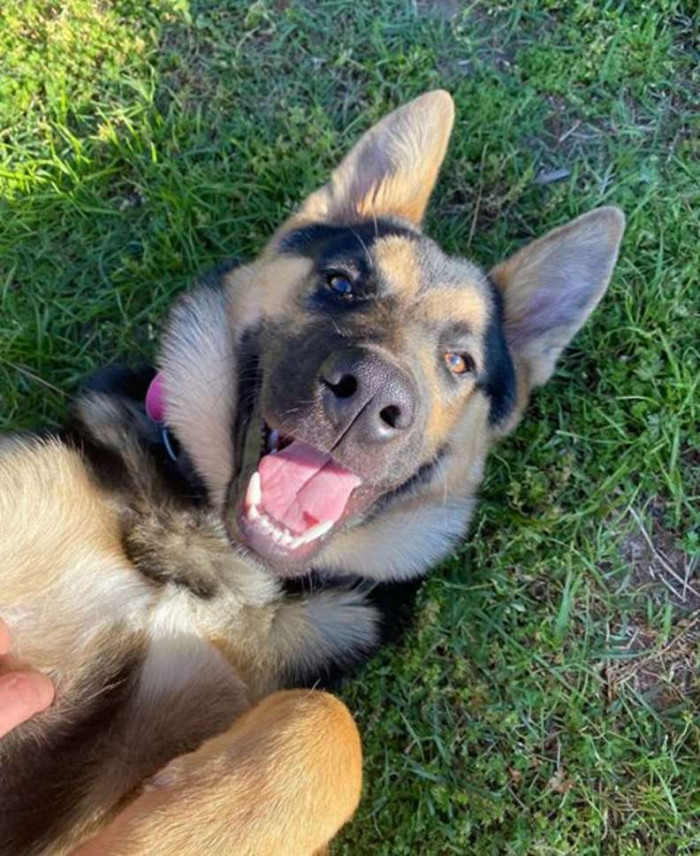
x,y
316,532
273,441
278,534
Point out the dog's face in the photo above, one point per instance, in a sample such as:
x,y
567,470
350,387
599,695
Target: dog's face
x,y
339,395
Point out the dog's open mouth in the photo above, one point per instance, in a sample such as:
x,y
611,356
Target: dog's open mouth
x,y
294,498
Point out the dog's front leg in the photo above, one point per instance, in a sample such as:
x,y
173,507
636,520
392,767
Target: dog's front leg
x,y
320,635
282,780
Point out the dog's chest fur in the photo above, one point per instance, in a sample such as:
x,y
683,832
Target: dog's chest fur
x,y
156,633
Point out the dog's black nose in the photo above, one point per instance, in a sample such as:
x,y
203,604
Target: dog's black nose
x,y
364,392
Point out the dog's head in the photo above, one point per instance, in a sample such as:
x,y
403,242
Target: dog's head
x,y
339,395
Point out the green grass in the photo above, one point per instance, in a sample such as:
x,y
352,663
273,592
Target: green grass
x,y
546,701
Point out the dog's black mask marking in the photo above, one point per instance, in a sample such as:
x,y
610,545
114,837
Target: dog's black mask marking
x,y
499,382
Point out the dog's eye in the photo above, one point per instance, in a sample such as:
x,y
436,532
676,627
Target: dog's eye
x,y
458,364
340,284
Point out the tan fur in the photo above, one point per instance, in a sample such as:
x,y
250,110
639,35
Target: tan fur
x,y
396,260
282,780
60,554
266,289
66,519
467,303
443,414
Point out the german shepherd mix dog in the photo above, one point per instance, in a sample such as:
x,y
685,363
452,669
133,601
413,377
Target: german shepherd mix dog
x,y
333,403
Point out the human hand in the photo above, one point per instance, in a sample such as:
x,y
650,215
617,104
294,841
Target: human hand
x,y
22,694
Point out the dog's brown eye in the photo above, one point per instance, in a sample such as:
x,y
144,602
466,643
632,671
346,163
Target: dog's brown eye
x,y
458,364
340,284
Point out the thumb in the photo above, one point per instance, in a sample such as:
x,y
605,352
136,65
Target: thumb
x,y
22,695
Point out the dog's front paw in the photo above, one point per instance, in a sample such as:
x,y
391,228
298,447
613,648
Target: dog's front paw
x,y
327,634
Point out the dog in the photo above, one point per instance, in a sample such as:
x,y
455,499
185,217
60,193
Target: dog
x,y
327,411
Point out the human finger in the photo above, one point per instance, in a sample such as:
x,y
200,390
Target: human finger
x,y
22,695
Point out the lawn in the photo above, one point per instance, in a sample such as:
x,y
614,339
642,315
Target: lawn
x,y
547,699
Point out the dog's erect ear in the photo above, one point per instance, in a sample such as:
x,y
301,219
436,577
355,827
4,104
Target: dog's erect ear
x,y
552,285
391,172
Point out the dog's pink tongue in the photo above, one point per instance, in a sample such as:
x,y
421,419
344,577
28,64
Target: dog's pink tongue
x,y
302,487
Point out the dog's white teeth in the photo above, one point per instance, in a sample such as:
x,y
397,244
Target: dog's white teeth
x,y
273,441
276,531
316,532
281,536
266,524
253,495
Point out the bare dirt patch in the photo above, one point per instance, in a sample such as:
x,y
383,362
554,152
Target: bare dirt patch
x,y
656,563
661,665
666,671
